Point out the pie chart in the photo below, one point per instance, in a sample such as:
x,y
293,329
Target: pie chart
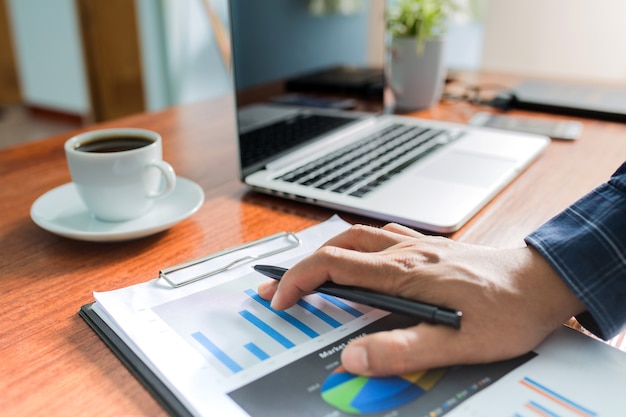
x,y
355,394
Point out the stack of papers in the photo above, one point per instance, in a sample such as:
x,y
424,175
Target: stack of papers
x,y
214,347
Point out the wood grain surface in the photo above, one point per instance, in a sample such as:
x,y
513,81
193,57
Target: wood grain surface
x,y
53,364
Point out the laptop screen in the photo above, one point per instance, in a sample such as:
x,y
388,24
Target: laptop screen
x,y
287,55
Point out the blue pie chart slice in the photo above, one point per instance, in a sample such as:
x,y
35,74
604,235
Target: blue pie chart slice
x,y
355,394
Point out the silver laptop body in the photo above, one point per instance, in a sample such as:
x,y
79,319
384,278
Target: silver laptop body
x,y
421,173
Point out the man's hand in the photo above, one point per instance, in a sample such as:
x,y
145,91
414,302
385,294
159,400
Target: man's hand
x,y
511,299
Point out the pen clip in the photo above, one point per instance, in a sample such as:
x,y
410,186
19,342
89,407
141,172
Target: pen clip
x,y
196,270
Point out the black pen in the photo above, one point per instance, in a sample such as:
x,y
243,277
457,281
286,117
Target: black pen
x,y
425,312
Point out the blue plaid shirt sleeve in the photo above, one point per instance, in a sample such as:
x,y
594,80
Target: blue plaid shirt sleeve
x,y
586,245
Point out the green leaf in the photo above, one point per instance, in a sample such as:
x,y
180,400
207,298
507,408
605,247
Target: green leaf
x,y
422,19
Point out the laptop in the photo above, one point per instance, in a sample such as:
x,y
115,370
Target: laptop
x,y
425,174
590,100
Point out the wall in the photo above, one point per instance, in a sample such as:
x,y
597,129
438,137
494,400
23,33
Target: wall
x,y
48,54
194,64
153,57
576,39
179,56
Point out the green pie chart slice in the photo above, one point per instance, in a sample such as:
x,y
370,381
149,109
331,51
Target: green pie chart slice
x,y
355,394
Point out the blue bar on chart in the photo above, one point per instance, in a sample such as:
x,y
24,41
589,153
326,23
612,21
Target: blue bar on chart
x,y
267,329
217,352
341,304
283,315
319,314
256,351
246,353
555,397
541,410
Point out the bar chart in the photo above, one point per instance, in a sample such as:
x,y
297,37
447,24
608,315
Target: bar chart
x,y
318,384
549,402
541,390
233,328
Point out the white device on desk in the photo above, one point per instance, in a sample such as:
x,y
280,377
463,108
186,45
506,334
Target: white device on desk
x,y
605,102
556,129
421,173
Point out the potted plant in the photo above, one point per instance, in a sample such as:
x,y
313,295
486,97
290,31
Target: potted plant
x,y
417,69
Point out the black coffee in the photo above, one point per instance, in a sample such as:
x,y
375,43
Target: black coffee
x,y
116,144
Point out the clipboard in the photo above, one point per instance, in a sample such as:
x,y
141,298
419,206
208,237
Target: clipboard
x,y
159,391
222,261
153,328
177,276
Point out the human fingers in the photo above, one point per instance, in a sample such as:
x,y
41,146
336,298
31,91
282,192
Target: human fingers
x,y
364,238
267,289
329,263
511,300
340,259
402,230
427,346
358,238
400,351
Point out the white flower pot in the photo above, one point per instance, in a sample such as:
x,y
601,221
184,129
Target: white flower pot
x,y
416,80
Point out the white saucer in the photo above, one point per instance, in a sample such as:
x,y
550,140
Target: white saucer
x,y
61,211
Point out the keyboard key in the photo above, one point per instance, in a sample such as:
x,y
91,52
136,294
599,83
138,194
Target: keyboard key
x,y
359,168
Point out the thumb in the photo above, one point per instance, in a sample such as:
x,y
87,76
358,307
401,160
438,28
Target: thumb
x,y
401,351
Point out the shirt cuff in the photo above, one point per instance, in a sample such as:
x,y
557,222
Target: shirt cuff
x,y
586,245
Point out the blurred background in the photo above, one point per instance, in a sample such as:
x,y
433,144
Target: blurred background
x,y
65,64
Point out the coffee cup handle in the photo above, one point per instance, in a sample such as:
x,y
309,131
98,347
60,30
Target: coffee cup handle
x,y
168,175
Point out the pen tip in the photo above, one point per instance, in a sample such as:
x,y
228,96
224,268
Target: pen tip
x,y
274,272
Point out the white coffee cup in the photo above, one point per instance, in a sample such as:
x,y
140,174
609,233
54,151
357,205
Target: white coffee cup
x,y
119,173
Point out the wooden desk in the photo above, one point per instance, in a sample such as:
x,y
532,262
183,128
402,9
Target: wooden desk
x,y
53,364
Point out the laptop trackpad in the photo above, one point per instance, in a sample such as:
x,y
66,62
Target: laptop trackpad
x,y
466,168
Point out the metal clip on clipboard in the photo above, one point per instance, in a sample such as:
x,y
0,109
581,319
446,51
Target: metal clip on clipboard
x,y
198,269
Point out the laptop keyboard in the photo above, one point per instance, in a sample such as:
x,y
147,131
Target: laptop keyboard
x,y
360,168
268,141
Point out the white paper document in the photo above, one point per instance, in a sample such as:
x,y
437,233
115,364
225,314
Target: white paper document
x,y
223,351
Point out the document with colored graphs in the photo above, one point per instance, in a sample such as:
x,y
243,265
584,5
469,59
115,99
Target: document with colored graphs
x,y
218,349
